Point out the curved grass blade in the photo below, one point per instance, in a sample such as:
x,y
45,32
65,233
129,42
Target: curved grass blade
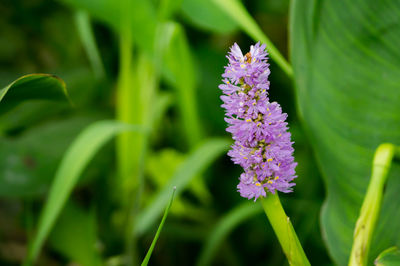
x,y
32,86
199,160
236,10
227,223
150,251
72,165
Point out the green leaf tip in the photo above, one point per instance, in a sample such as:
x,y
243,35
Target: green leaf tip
x,y
150,251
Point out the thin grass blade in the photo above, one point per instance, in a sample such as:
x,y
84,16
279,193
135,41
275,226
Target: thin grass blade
x,y
150,251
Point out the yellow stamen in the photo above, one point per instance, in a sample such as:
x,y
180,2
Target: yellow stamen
x,y
276,178
269,160
279,135
269,114
248,120
254,103
245,158
258,184
270,182
258,124
279,164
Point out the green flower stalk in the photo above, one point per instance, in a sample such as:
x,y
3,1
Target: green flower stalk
x,y
263,145
371,206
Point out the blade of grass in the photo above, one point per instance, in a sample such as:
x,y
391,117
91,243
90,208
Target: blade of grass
x,y
76,158
197,161
150,251
227,223
236,10
86,34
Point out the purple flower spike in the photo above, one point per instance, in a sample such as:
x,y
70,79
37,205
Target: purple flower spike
x,y
262,141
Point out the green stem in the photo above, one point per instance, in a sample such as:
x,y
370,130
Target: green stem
x,y
127,110
284,230
236,10
372,204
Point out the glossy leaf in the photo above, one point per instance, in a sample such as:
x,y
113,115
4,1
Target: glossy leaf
x,y
76,158
32,86
197,161
346,71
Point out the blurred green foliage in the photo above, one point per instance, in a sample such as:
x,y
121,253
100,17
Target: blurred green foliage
x,y
157,64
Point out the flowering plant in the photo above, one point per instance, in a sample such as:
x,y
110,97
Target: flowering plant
x,y
263,145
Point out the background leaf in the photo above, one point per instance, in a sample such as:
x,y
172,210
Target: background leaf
x,y
74,235
32,86
180,72
27,166
142,23
206,15
224,227
196,162
347,78
389,257
75,160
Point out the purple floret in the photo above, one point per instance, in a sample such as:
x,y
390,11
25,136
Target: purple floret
x,y
263,145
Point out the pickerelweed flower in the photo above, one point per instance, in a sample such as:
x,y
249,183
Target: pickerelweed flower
x,y
263,144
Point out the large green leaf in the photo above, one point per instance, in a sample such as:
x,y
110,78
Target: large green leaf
x,y
347,73
32,86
